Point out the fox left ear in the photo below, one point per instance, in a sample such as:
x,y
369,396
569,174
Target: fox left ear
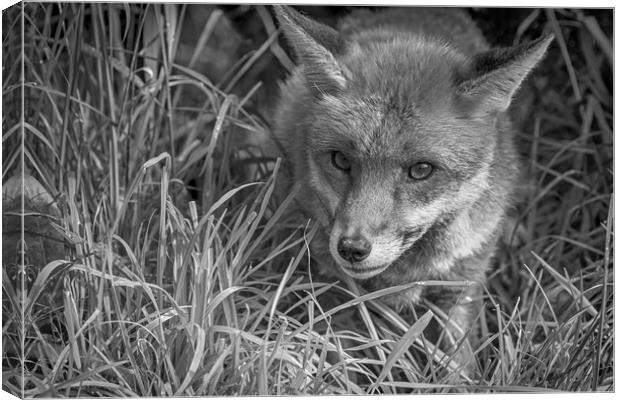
x,y
315,46
498,73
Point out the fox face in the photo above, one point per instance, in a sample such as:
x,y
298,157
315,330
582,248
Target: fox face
x,y
396,136
387,170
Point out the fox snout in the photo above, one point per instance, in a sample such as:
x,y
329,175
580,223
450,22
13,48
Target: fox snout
x,y
354,248
361,252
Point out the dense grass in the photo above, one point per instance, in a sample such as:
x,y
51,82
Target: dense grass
x,y
184,270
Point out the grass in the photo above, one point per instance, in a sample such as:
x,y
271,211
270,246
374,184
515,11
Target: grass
x,y
184,272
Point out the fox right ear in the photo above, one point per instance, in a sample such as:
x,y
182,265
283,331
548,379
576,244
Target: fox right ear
x,y
499,73
314,45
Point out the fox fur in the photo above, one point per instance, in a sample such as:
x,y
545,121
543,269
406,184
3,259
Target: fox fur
x,y
370,109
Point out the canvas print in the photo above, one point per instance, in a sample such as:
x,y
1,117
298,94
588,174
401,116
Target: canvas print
x,y
224,200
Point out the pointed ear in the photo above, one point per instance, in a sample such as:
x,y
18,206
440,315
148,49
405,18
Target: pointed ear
x,y
315,46
498,74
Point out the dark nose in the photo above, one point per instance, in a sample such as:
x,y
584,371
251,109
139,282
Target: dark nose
x,y
354,249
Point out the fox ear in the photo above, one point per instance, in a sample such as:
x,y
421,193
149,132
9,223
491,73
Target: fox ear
x,y
314,45
498,73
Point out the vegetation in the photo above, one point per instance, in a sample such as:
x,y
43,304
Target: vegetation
x,y
160,259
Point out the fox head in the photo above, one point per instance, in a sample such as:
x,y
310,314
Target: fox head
x,y
395,134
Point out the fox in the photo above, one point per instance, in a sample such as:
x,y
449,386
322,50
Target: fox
x,y
396,127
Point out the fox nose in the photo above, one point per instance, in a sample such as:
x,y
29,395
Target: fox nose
x,y
354,249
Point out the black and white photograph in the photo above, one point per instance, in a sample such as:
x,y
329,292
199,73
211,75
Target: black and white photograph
x,y
224,199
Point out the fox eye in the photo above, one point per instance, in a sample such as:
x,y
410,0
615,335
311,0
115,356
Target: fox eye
x,y
420,171
340,161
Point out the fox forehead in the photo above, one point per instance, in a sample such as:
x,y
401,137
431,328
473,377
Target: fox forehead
x,y
412,69
367,126
400,104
